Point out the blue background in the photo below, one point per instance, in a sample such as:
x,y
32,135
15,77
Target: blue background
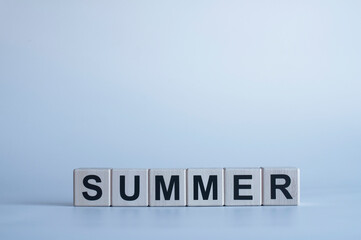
x,y
166,84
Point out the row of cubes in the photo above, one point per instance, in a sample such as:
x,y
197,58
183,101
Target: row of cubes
x,y
186,187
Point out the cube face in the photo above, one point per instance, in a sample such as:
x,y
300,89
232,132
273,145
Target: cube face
x,y
92,187
167,187
243,186
205,187
281,186
130,187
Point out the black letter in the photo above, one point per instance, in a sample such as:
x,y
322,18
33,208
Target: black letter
x,y
280,187
174,181
197,180
238,186
122,188
92,187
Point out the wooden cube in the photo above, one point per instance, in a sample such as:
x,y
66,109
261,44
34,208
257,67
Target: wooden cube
x,y
243,186
130,187
167,187
92,187
281,186
205,187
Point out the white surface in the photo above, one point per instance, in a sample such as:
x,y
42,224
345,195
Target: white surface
x,y
129,188
204,174
293,189
167,174
255,186
324,213
104,184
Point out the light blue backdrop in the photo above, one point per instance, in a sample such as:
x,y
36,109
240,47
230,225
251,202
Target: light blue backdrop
x,y
164,84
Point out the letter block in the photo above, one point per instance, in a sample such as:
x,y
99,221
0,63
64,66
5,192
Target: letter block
x,y
92,187
281,186
167,187
130,187
205,187
243,186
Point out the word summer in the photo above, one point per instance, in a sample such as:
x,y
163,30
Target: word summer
x,y
186,187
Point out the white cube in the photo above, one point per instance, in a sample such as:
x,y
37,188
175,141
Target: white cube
x,y
130,187
243,186
92,187
205,187
281,186
167,187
